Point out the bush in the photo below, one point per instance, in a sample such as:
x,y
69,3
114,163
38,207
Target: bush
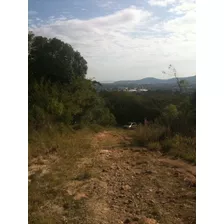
x,y
167,145
154,146
145,134
55,107
154,137
180,147
98,115
96,128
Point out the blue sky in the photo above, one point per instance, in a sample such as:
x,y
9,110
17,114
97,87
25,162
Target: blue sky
x,y
122,39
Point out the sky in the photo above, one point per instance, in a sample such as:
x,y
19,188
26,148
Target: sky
x,y
122,39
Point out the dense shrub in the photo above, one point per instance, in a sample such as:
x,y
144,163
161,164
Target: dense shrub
x,y
154,146
145,134
157,138
180,147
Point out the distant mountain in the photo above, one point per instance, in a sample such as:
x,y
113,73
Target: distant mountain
x,y
108,81
154,81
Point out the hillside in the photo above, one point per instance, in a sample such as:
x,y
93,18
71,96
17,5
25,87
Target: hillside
x,y
150,80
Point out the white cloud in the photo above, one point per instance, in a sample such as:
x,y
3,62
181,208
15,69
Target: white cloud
x,y
184,7
161,3
185,24
32,13
130,42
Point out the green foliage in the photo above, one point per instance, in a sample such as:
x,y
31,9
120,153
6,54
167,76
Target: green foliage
x,y
154,146
55,107
186,122
128,107
98,115
37,116
180,147
58,91
175,111
167,145
54,60
156,138
169,114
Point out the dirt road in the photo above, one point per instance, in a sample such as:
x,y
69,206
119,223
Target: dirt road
x,y
124,184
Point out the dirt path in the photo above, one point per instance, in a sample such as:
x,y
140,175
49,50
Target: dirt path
x,y
133,183
116,183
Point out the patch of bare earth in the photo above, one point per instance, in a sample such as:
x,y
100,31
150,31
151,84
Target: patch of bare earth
x,y
134,185
40,166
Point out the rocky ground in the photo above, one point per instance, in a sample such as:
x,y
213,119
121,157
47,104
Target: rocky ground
x,y
118,183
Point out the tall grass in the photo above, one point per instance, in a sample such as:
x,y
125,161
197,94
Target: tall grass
x,y
180,147
143,135
156,137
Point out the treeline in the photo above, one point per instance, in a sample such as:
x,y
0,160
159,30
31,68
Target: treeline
x,y
175,111
58,90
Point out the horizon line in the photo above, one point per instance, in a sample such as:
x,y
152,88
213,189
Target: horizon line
x,y
110,81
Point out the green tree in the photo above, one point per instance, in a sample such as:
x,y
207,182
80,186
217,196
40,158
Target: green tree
x,y
58,90
54,60
169,114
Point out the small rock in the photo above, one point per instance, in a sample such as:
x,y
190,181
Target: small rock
x,y
147,221
110,192
126,187
80,196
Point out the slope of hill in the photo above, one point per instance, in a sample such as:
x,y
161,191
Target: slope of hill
x,y
151,80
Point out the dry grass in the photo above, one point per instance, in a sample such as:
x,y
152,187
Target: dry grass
x,y
145,134
154,138
180,147
154,146
60,154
